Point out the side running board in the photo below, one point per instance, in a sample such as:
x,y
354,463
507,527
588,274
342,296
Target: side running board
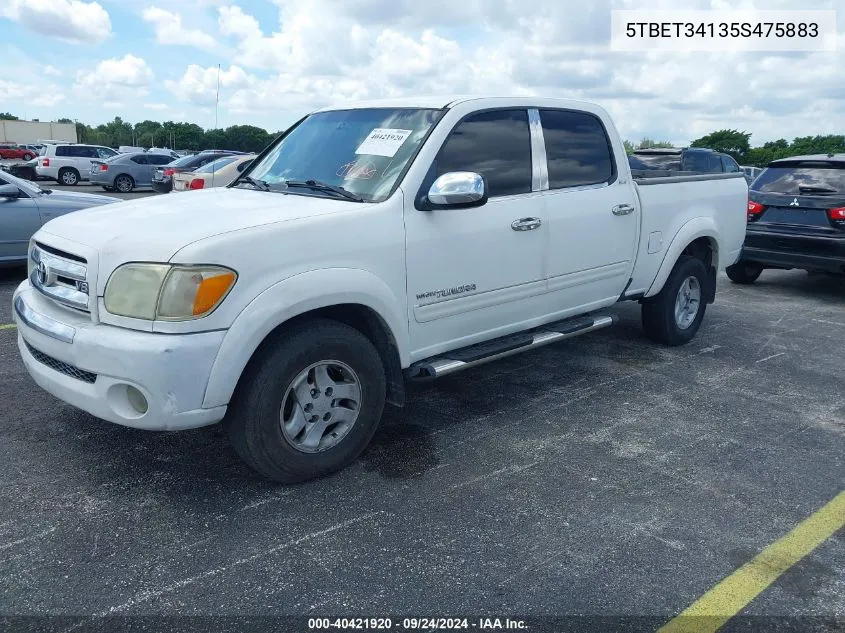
x,y
473,355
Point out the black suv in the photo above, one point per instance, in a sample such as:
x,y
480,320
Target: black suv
x,y
163,176
796,218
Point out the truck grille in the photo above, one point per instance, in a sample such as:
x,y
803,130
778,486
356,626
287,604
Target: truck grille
x,y
60,276
61,367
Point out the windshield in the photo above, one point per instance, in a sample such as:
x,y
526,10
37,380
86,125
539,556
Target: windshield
x,y
27,186
217,164
363,151
789,180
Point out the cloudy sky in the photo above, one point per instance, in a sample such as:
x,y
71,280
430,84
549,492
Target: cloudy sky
x,y
153,59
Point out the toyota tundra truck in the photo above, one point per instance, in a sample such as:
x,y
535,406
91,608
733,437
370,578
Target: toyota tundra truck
x,y
369,245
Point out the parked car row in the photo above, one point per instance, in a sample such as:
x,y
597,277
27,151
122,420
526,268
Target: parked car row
x,y
163,178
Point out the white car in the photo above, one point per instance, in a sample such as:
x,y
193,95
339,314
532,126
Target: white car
x,y
370,244
69,163
218,173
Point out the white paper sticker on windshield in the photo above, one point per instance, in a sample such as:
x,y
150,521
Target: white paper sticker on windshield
x,y
383,141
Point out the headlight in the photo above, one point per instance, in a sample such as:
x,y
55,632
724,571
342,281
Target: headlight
x,y
162,291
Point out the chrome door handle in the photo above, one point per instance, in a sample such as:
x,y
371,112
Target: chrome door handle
x,y
526,224
623,209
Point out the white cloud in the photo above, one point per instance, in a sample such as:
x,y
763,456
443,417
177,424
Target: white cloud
x,y
113,80
170,31
383,48
48,99
51,71
199,85
69,20
158,107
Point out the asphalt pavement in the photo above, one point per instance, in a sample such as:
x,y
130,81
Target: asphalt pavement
x,y
602,476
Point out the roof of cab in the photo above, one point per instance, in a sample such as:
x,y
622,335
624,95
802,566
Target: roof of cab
x,y
443,101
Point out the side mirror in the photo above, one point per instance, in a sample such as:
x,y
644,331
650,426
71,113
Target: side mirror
x,y
457,189
9,191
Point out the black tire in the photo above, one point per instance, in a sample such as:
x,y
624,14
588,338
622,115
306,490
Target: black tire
x,y
658,312
253,417
744,272
28,156
124,183
68,176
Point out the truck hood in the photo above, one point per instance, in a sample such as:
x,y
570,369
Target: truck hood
x,y
155,228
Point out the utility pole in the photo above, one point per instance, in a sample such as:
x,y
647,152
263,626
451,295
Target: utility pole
x,y
217,99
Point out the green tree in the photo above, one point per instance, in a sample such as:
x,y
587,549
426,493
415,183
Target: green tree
x,y
64,120
731,142
648,143
8,116
149,134
246,138
629,146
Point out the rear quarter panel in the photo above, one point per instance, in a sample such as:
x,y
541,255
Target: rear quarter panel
x,y
674,214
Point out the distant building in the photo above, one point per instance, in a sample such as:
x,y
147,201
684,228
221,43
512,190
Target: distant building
x,y
33,131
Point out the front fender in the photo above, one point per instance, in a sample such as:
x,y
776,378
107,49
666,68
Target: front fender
x,y
294,296
688,233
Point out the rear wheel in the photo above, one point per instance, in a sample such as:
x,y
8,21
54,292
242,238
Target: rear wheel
x,y
673,316
744,272
308,403
124,183
68,176
28,156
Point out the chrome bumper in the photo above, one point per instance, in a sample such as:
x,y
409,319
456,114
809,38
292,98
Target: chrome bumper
x,y
42,323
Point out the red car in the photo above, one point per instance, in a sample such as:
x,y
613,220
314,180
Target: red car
x,y
14,151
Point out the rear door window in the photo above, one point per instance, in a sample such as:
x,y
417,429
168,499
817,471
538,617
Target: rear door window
x,y
64,150
577,149
140,159
495,144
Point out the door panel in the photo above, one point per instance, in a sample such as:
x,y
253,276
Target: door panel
x,y
477,272
19,220
593,216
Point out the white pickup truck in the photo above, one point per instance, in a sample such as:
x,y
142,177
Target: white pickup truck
x,y
371,244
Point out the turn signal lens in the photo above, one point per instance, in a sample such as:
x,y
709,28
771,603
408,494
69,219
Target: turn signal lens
x,y
194,291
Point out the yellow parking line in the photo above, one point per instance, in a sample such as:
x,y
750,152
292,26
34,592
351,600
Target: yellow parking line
x,y
8,326
710,612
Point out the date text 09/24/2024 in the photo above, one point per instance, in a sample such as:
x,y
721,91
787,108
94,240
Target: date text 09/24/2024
x,y
416,624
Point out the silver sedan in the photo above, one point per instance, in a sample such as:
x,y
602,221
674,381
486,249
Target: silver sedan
x,y
25,207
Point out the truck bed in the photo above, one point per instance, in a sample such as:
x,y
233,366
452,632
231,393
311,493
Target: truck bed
x,y
669,202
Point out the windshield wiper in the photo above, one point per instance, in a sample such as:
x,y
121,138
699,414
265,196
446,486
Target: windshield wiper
x,y
323,186
816,189
259,184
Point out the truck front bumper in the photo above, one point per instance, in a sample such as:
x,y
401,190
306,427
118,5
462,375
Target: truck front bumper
x,y
102,369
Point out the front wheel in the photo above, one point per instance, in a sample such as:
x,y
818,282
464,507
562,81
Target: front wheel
x,y
28,156
744,272
673,316
308,403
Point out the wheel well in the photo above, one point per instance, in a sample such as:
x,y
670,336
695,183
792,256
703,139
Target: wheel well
x,y
706,250
127,175
370,324
69,169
